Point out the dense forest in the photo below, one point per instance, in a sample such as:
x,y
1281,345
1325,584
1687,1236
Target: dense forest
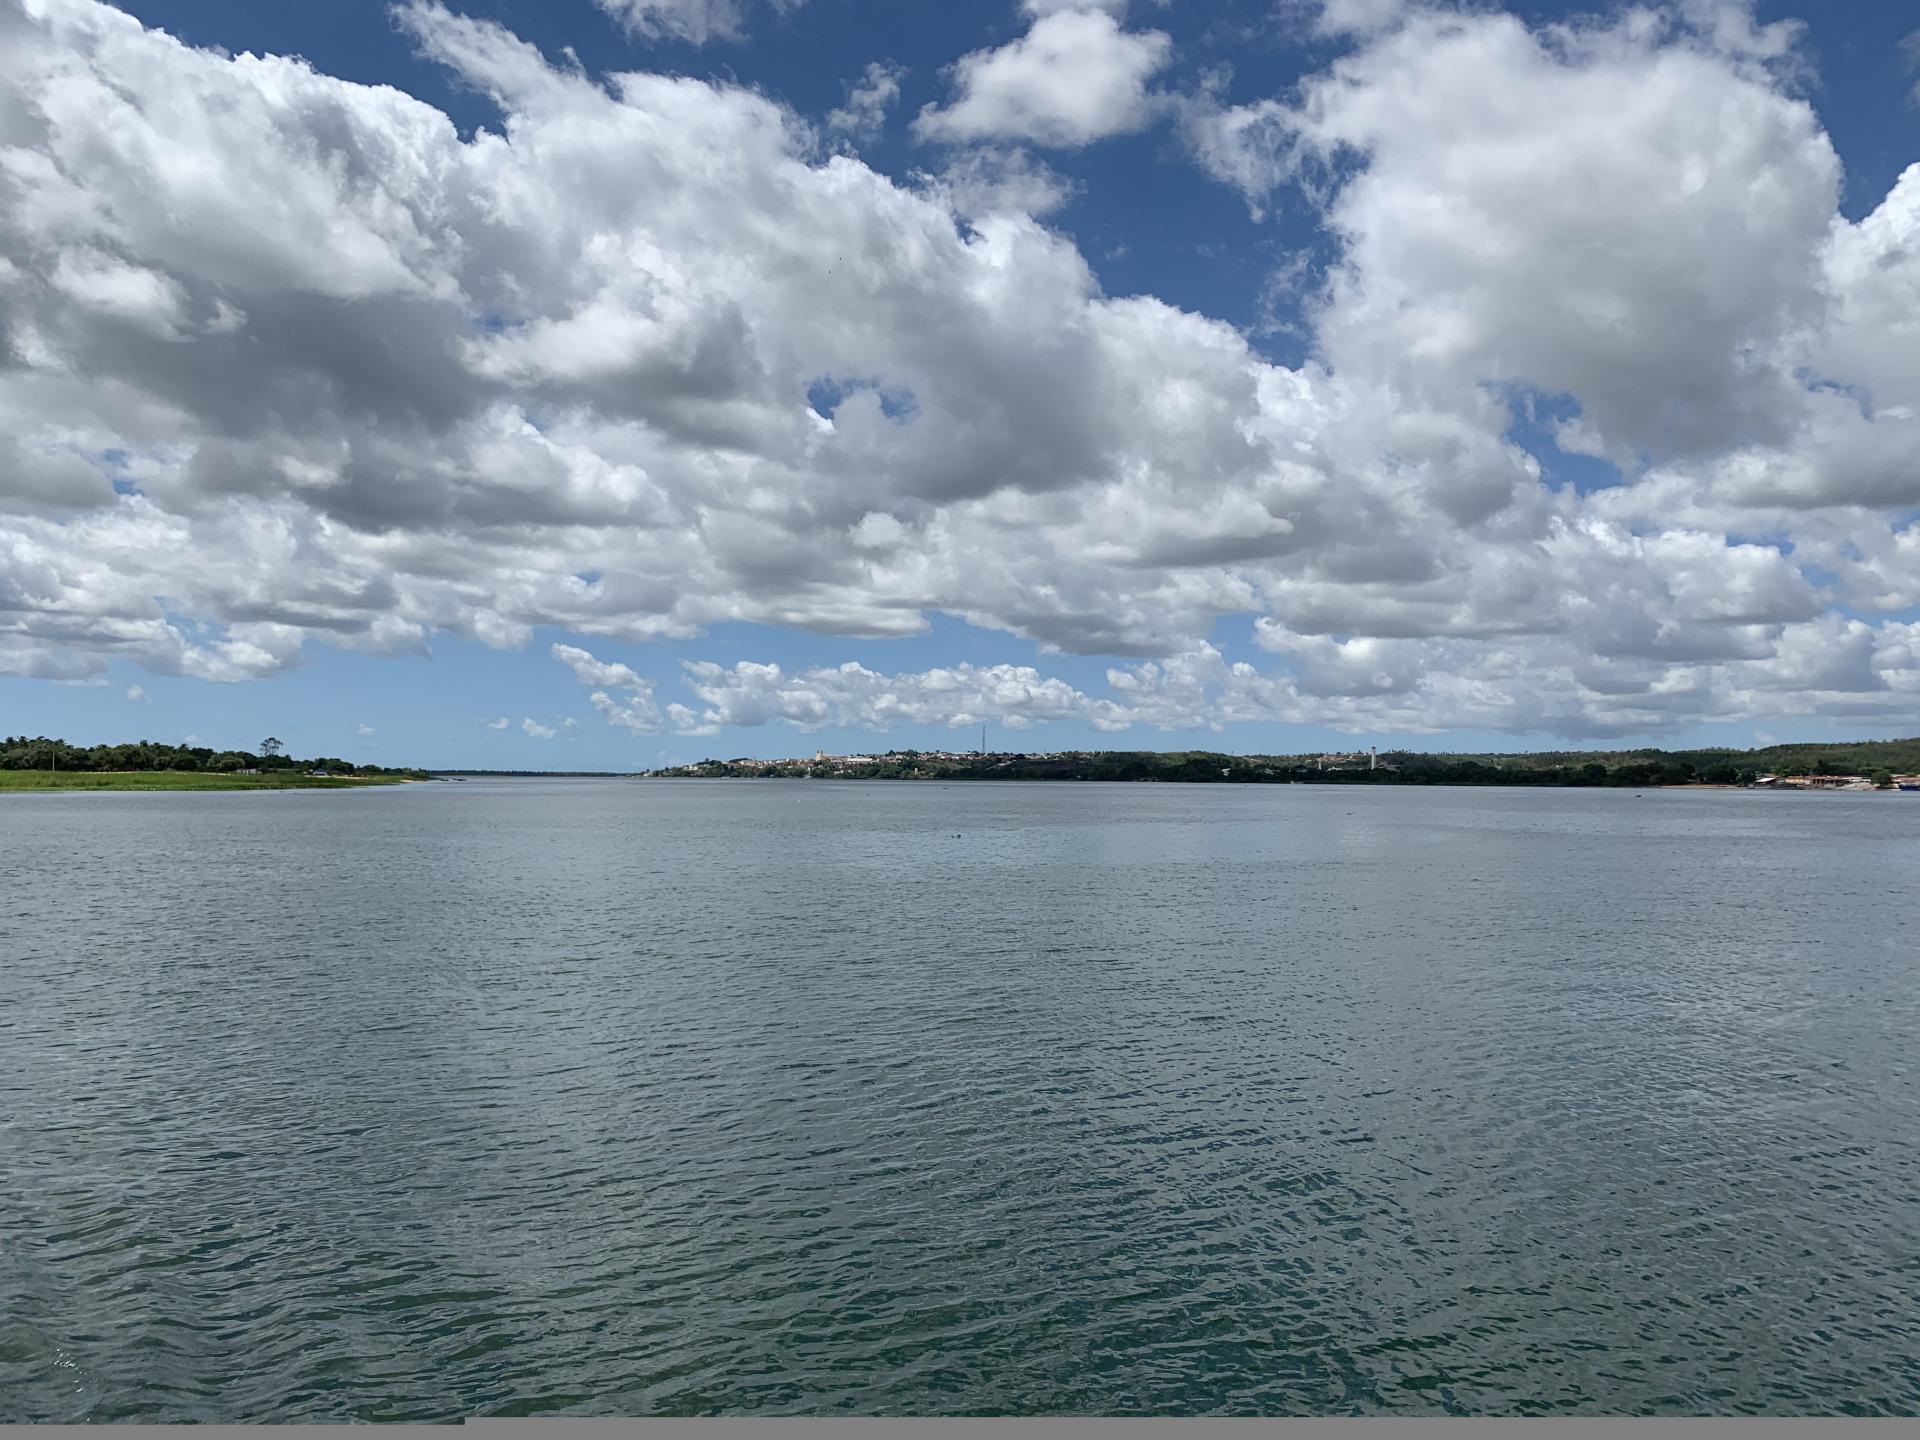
x,y
38,752
1847,757
1879,759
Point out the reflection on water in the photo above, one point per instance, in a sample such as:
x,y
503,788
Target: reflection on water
x,y
656,1097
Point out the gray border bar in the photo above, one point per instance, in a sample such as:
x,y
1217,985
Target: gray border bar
x,y
1050,1428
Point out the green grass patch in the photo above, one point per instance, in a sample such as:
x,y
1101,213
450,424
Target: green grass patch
x,y
181,780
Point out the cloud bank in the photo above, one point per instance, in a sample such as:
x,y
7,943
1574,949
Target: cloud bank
x,y
285,360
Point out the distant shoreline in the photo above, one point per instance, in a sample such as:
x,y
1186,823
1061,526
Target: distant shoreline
x,y
26,782
534,774
1859,765
1327,784
44,762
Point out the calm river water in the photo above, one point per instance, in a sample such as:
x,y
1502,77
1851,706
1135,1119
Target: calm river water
x,y
658,1097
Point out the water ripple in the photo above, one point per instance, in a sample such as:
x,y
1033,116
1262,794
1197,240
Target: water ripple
x,y
522,1098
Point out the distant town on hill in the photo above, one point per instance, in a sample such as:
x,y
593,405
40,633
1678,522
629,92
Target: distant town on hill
x,y
1866,765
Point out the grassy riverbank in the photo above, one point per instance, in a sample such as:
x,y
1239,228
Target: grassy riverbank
x,y
18,780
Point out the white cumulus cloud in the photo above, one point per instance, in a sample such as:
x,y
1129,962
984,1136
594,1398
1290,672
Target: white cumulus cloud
x,y
291,361
1522,684
864,115
1075,77
696,22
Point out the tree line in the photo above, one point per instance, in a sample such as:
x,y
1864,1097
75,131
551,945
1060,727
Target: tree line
x,y
1209,767
41,752
1879,760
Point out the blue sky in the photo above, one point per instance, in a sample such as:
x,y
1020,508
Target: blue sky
x,y
445,709
1272,375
